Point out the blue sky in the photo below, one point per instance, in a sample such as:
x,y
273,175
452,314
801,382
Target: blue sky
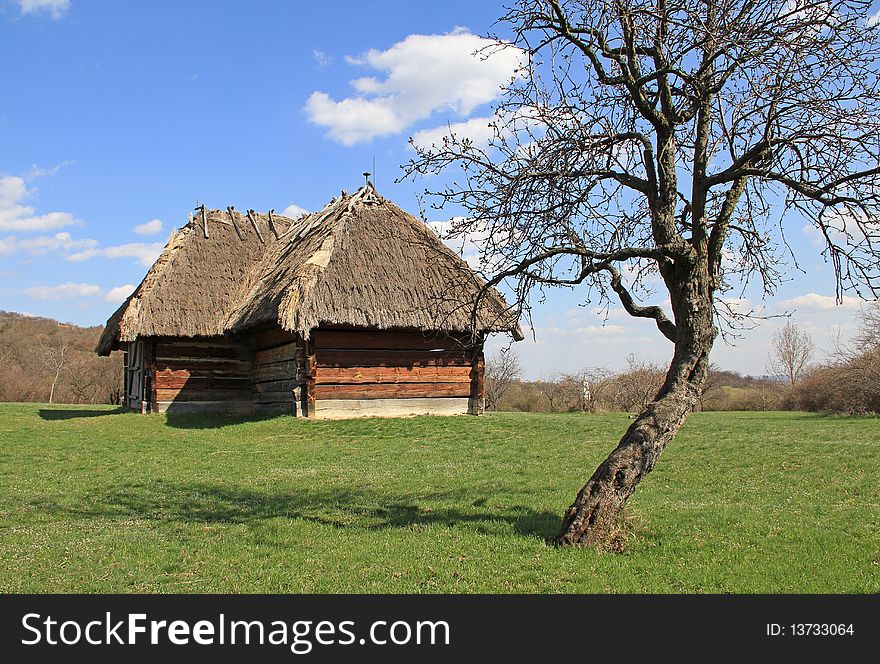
x,y
116,117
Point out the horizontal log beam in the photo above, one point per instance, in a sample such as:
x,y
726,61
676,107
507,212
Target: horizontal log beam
x,y
275,386
182,349
276,371
284,353
392,358
338,408
273,397
202,364
176,383
241,406
392,390
197,394
431,374
271,338
352,339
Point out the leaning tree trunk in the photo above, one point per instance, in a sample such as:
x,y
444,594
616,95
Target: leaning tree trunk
x,y
596,511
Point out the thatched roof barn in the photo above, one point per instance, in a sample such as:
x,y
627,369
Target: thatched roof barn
x,y
356,309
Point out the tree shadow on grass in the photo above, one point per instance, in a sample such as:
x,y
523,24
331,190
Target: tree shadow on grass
x,y
345,509
51,414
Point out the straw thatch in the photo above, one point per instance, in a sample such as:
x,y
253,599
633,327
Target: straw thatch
x,y
192,286
359,262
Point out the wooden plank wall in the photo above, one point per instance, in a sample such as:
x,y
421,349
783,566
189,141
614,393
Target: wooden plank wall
x,y
277,372
437,373
211,374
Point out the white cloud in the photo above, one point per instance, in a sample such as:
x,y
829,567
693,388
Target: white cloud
x,y
468,246
44,244
873,20
844,228
596,329
145,252
817,239
54,8
423,74
118,294
17,217
477,130
817,302
12,190
293,211
37,172
149,228
737,306
353,121
62,291
609,313
322,58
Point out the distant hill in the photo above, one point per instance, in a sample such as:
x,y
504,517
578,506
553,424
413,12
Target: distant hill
x,y
44,360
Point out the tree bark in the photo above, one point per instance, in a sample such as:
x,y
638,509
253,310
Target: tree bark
x,y
594,516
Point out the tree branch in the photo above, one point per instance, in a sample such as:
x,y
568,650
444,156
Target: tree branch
x,y
666,326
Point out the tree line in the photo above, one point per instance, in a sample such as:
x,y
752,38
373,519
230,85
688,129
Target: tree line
x,y
846,381
600,390
47,361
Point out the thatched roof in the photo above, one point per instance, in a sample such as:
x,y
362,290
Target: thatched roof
x,y
361,262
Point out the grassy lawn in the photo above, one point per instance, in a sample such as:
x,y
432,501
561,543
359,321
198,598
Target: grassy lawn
x,y
96,501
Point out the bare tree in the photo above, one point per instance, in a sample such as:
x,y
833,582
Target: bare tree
x,y
867,339
6,347
556,392
502,371
52,359
858,389
768,395
637,386
83,384
588,388
671,137
791,353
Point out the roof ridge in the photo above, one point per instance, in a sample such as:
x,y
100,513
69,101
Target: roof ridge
x,y
366,195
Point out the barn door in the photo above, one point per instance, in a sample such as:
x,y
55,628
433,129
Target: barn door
x,y
134,375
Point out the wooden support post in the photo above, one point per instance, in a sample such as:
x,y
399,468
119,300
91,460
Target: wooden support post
x,y
231,210
253,220
204,220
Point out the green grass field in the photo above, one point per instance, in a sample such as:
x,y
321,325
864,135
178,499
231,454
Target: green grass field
x,y
96,501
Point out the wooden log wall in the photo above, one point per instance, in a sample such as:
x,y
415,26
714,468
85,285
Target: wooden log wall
x,y
338,373
436,373
191,375
277,372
